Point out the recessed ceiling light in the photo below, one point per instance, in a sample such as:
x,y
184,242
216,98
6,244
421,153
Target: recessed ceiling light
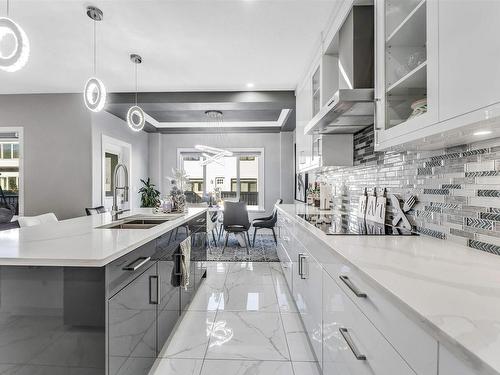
x,y
482,132
250,85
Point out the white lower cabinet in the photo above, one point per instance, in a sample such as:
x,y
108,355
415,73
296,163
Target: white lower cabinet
x,y
450,364
307,286
401,331
286,263
352,345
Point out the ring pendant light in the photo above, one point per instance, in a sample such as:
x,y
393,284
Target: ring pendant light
x,y
18,57
135,115
94,94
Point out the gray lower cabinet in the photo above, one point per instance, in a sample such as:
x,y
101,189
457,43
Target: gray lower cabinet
x,y
168,305
132,317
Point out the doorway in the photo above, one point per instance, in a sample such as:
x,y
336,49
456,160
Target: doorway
x,y
114,151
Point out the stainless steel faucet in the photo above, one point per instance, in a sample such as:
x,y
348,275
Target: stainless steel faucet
x,y
114,209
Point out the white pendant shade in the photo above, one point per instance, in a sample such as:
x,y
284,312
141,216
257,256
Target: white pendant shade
x,y
136,118
18,57
94,94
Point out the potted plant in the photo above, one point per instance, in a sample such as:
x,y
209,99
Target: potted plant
x,y
150,197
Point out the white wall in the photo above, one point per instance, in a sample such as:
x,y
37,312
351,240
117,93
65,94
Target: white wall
x,y
277,184
57,160
112,126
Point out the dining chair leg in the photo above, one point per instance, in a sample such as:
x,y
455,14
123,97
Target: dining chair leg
x,y
274,235
254,235
248,237
213,236
225,242
246,244
221,229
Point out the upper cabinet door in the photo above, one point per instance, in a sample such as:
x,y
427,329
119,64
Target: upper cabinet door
x,y
406,82
469,54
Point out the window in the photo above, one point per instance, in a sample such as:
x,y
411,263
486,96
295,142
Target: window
x,y
10,176
236,177
6,149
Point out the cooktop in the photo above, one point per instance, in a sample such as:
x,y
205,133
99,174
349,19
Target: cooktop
x,y
352,225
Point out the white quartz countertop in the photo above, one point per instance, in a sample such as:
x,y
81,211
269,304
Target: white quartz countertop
x,y
79,242
455,289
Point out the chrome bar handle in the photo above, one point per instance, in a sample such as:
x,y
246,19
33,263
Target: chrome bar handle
x,y
300,264
354,349
353,287
157,289
177,264
302,274
136,264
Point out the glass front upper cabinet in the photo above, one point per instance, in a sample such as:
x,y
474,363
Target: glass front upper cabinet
x,y
405,60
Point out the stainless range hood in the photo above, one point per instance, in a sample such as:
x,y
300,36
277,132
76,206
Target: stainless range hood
x,y
351,108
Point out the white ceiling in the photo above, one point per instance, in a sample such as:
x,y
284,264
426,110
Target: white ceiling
x,y
186,45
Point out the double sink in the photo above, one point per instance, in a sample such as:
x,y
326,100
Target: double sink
x,y
140,222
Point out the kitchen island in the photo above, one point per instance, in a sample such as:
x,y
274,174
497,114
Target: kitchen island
x,y
89,296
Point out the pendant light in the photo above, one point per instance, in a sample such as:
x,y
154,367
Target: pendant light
x,y
135,115
214,154
15,60
94,94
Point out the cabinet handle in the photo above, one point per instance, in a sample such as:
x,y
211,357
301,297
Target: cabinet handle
x,y
348,339
177,264
136,264
157,289
353,287
300,264
302,257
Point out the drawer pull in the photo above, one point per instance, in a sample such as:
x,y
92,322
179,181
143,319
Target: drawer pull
x,y
136,264
303,275
154,296
348,339
353,287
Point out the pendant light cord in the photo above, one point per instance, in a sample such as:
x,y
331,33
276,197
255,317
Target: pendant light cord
x,y
8,8
136,85
95,49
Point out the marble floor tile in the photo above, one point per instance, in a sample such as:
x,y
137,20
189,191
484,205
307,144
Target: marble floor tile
x,y
240,341
248,335
206,298
176,366
285,300
306,368
296,337
191,337
216,274
259,297
249,273
232,367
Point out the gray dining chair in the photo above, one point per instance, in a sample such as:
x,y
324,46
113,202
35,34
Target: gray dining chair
x,y
236,221
268,222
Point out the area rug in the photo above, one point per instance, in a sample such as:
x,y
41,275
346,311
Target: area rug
x,y
263,251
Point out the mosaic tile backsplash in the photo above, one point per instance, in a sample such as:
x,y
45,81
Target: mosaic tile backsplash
x,y
457,189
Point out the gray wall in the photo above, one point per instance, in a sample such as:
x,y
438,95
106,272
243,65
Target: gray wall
x,y
112,126
57,161
275,146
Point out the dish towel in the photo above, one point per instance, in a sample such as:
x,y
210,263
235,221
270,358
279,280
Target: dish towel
x,y
185,261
